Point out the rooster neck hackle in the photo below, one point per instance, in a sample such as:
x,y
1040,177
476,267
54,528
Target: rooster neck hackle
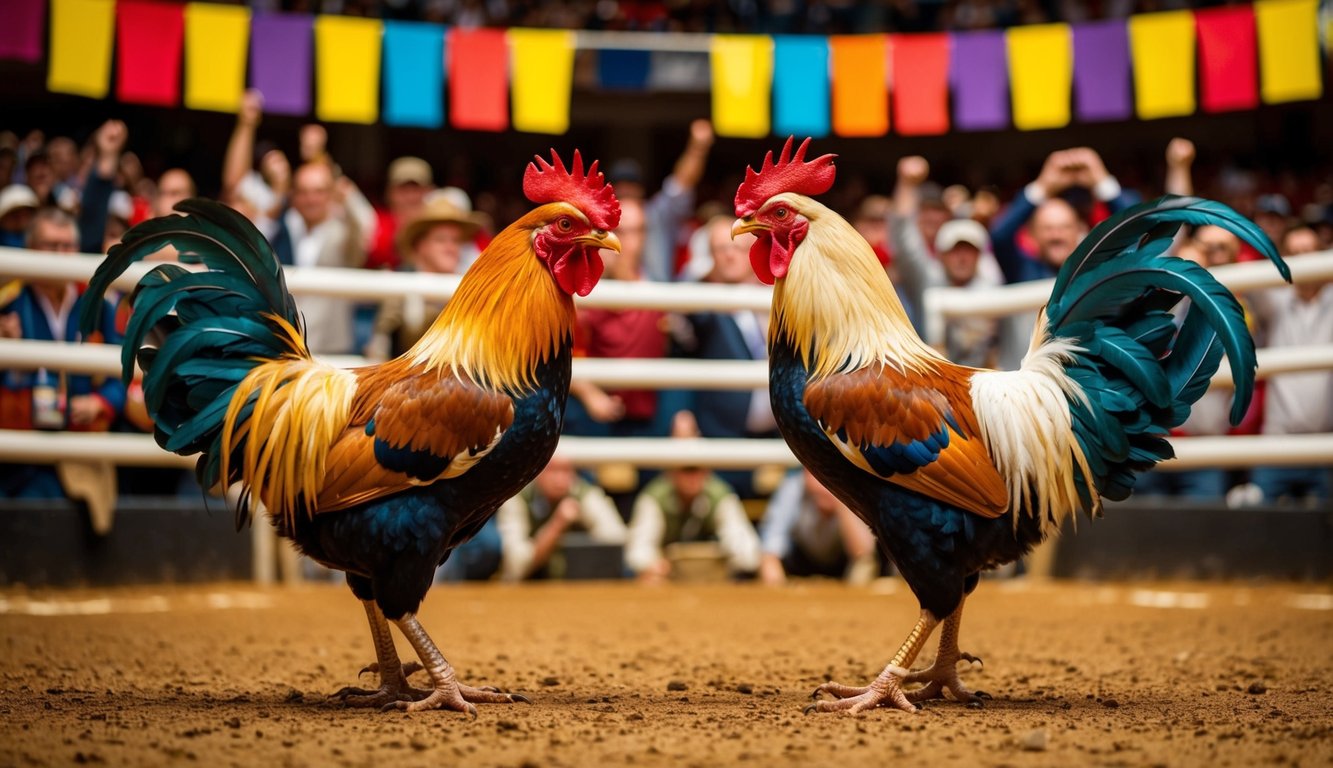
x,y
837,307
507,316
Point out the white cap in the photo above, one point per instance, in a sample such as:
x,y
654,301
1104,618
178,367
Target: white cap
x,y
17,196
957,231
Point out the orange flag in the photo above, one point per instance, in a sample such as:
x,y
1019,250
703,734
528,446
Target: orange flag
x,y
860,66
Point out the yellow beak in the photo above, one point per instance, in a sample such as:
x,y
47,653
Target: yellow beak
x,y
600,238
747,224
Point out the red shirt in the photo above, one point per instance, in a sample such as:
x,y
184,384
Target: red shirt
x,y
625,333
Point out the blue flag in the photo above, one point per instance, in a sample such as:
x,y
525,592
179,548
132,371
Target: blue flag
x,y
800,86
413,74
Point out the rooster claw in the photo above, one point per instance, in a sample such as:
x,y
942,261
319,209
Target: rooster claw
x,y
971,659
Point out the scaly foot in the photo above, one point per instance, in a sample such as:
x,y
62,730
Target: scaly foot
x,y
942,677
886,691
459,698
393,688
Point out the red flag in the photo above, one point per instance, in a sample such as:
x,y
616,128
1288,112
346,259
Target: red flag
x,y
148,52
478,79
1228,67
921,84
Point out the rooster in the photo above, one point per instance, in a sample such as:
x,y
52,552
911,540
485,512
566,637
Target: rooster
x,y
379,471
958,469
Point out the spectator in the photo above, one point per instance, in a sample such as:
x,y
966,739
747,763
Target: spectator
x,y
960,245
431,242
808,532
260,194
870,221
739,335
410,180
659,221
108,143
533,523
17,204
173,186
689,504
1056,228
317,231
1272,212
38,175
1296,403
46,399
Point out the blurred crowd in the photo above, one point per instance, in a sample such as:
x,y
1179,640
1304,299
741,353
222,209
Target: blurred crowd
x,y
822,17
58,196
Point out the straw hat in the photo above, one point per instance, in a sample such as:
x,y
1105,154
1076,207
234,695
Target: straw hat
x,y
438,210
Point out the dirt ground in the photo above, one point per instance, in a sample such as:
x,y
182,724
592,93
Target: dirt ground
x,y
1106,675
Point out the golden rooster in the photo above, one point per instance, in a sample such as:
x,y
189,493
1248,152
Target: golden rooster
x,y
380,471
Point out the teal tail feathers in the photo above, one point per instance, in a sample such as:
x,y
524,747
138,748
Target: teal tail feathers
x,y
197,334
1141,367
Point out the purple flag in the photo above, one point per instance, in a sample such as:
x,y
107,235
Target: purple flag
x,y
1101,71
979,74
280,61
21,32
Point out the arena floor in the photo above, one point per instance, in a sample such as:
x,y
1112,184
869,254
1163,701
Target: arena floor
x,y
1108,675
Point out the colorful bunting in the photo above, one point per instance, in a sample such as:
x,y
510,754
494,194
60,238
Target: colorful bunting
x,y
1101,71
742,67
1289,63
413,74
623,70
543,77
81,33
921,84
1041,71
801,86
860,84
21,34
1162,45
978,72
1227,61
216,38
478,79
347,68
280,61
148,53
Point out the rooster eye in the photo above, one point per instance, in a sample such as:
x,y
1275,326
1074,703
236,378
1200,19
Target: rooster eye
x,y
565,225
780,213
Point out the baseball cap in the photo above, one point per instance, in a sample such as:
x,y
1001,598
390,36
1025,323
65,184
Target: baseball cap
x,y
1273,203
16,196
957,231
410,170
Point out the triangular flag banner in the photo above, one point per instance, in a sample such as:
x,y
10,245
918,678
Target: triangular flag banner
x,y
1101,71
347,68
543,76
217,38
478,79
1162,45
801,85
860,84
1228,77
742,67
1289,62
21,34
413,74
921,84
979,74
623,70
81,33
1041,72
280,61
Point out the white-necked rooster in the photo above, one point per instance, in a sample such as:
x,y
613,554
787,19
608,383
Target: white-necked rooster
x,y
380,471
957,469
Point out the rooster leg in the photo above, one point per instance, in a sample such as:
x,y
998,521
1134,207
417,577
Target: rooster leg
x,y
448,693
886,690
393,674
942,676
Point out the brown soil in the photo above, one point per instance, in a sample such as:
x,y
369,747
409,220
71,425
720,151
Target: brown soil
x,y
1082,675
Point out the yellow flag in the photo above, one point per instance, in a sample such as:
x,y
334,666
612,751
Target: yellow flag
x,y
1162,48
217,40
347,68
742,84
80,54
1288,50
1041,72
543,74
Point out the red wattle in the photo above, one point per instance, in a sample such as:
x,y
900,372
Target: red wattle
x,y
579,271
759,259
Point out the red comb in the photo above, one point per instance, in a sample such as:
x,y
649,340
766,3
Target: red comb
x,y
547,183
789,174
